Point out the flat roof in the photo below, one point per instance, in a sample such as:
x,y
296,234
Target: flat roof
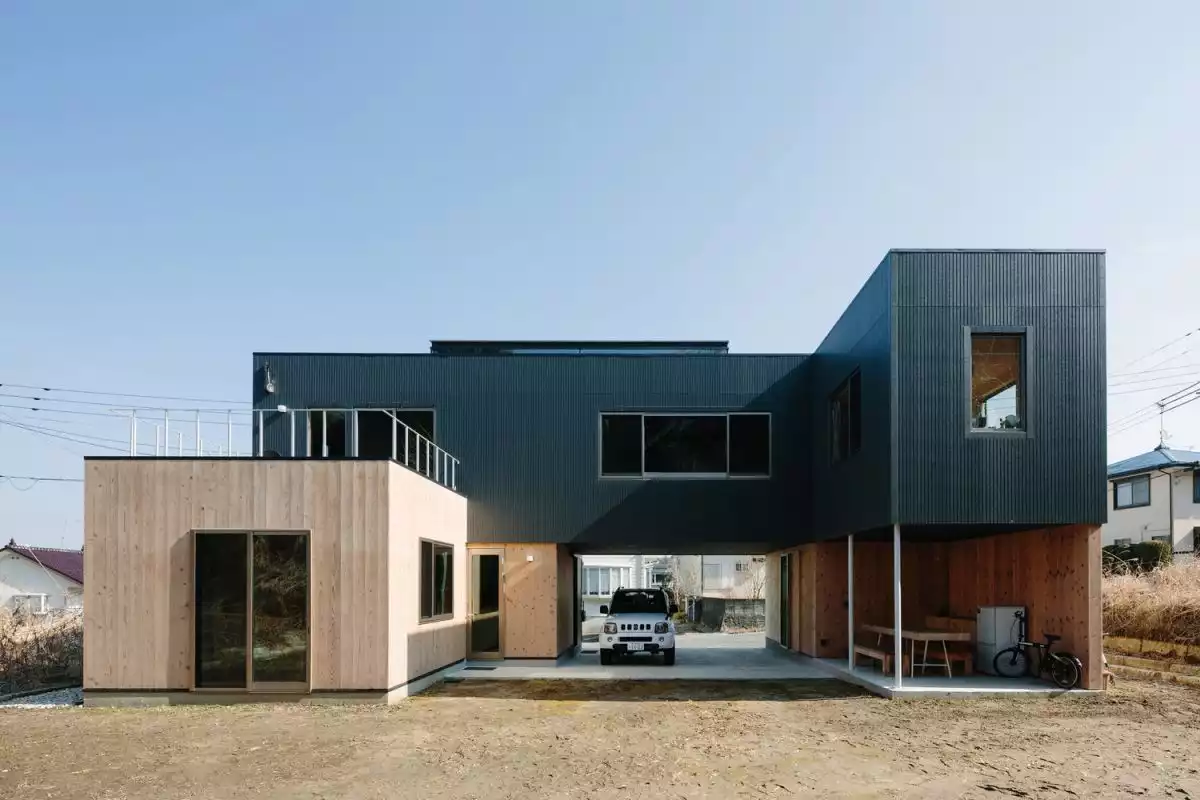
x,y
574,346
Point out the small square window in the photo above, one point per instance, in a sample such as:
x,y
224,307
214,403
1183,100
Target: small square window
x,y
997,396
1131,492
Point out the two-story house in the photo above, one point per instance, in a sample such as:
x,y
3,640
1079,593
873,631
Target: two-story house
x,y
941,449
1155,496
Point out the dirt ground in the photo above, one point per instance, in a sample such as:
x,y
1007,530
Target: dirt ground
x,y
560,739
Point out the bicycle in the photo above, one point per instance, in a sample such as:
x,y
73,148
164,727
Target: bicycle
x,y
1013,662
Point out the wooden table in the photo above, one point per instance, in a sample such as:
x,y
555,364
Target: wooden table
x,y
922,636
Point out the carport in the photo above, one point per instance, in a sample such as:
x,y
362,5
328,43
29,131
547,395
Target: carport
x,y
700,656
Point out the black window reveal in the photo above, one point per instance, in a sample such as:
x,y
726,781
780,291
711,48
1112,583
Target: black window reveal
x,y
621,444
1196,486
997,394
680,444
327,434
1131,492
845,418
749,444
437,580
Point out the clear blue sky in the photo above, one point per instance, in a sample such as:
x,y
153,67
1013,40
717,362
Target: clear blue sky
x,y
184,183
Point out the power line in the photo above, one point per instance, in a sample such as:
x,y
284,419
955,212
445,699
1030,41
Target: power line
x,y
35,480
121,394
1160,349
116,417
69,438
39,398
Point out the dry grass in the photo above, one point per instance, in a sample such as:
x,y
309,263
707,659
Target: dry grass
x,y
1163,604
39,650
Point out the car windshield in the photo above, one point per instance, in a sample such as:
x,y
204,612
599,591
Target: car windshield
x,y
635,602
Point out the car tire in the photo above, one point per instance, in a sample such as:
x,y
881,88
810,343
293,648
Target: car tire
x,y
606,657
669,657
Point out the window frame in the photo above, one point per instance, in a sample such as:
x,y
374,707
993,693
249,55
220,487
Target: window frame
x,y
435,544
1130,479
1025,385
853,446
684,476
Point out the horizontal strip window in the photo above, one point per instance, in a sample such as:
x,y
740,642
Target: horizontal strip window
x,y
685,445
1132,492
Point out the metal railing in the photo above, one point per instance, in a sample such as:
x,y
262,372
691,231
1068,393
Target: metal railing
x,y
409,447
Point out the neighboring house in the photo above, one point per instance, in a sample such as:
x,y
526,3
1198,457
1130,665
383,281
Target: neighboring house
x,y
951,421
1155,496
602,575
40,579
733,576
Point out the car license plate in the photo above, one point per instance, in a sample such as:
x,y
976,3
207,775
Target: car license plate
x,y
634,647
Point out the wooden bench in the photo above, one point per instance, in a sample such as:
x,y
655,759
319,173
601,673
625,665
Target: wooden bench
x,y
885,659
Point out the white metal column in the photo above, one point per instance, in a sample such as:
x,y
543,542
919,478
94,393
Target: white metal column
x,y
850,597
898,663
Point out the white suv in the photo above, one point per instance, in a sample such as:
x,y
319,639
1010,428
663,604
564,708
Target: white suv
x,y
638,621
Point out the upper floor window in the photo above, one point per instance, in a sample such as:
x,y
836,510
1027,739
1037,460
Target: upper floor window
x,y
845,418
997,394
685,445
1131,492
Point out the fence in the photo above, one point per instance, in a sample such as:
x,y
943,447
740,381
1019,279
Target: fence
x,y
733,614
409,447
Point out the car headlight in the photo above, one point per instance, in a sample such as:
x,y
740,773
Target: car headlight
x,y
610,627
660,627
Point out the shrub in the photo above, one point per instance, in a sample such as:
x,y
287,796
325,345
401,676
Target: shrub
x,y
1161,603
39,650
1136,557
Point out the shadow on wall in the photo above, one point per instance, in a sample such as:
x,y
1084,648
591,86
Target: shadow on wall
x,y
663,690
665,514
433,647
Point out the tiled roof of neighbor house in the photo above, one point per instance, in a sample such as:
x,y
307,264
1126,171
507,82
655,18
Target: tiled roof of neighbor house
x,y
68,563
1158,458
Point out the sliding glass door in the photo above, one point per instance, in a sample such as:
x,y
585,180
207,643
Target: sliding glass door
x,y
252,616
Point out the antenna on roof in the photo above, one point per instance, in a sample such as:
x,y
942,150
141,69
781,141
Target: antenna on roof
x,y
1162,433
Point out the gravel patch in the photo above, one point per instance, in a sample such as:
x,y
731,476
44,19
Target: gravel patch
x,y
56,697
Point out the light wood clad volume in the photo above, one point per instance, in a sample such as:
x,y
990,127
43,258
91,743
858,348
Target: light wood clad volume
x,y
140,515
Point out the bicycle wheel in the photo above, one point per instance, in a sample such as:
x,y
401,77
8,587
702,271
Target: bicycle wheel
x,y
1011,662
1063,670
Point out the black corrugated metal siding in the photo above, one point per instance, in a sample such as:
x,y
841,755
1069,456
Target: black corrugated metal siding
x,y
1054,475
856,493
526,430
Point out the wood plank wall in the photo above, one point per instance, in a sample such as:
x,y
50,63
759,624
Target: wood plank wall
x,y
138,596
530,600
421,509
1054,572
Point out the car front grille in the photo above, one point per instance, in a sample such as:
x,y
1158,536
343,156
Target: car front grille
x,y
636,626
636,638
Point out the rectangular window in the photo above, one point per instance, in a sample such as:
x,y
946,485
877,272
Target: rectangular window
x,y
327,434
712,575
251,610
621,444
736,444
375,434
29,603
997,399
437,581
845,418
750,444
1123,542
1131,492
686,445
1196,486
